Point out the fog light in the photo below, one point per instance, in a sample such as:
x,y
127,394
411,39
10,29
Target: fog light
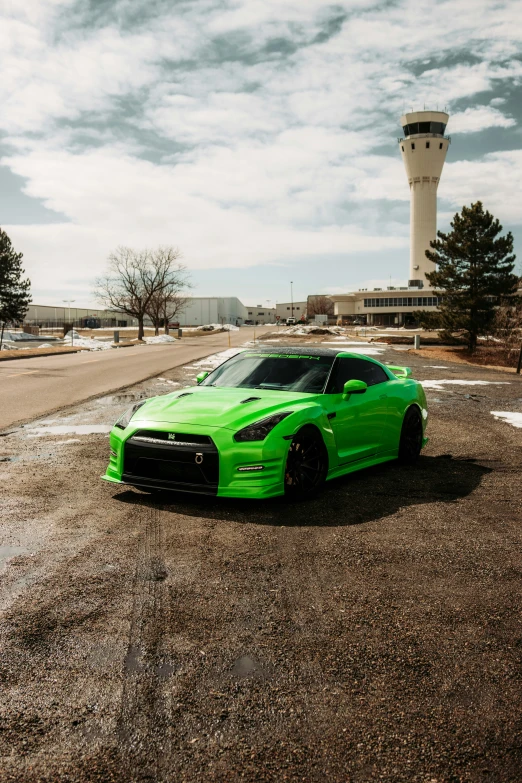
x,y
251,467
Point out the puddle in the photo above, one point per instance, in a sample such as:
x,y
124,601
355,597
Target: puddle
x,y
70,429
245,666
8,552
133,659
134,664
164,670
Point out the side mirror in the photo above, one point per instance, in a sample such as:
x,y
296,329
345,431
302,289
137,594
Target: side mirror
x,y
201,377
353,387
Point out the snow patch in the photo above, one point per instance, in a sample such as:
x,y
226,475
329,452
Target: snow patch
x,y
439,385
69,429
205,327
509,417
362,348
160,338
86,342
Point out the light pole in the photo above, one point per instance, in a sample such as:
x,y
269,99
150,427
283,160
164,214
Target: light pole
x,y
69,301
292,298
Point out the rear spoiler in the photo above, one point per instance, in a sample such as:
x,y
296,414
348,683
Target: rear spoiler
x,y
400,372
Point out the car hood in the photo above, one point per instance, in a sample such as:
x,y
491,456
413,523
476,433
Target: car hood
x,y
217,407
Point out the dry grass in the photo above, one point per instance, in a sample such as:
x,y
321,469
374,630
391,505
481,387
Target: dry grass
x,y
27,353
488,357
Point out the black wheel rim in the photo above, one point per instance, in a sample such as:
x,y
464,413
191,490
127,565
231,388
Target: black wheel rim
x,y
304,466
412,437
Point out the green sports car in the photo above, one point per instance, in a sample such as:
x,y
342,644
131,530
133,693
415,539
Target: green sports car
x,y
271,422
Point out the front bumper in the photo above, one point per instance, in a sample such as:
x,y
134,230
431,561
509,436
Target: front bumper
x,y
220,467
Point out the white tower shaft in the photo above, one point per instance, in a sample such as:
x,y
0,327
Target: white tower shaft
x,y
423,152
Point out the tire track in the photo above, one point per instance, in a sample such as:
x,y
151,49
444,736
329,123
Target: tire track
x,y
144,725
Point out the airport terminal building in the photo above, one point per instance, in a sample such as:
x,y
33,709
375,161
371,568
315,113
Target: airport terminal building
x,y
390,307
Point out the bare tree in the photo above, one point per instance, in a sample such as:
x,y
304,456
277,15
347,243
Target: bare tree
x,y
319,305
165,304
134,277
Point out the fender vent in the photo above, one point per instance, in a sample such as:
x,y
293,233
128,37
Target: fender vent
x,y
249,399
185,394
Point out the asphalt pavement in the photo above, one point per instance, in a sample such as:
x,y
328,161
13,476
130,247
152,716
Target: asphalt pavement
x,y
40,385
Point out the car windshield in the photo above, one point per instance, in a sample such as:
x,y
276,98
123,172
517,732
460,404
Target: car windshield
x,y
280,372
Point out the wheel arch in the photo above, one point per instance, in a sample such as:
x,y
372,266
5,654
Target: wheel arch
x,y
315,427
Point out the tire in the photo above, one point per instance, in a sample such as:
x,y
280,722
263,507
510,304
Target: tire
x,y
410,444
306,465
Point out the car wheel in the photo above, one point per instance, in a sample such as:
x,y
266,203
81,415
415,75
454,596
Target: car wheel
x,y
410,444
306,464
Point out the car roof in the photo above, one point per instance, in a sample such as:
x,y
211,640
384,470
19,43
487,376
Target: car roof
x,y
304,350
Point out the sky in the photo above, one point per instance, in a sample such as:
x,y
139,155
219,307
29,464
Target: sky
x,y
257,136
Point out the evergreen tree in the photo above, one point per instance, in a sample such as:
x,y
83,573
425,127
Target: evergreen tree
x,y
474,272
14,290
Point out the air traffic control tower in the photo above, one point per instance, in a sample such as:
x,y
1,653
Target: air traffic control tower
x,y
423,151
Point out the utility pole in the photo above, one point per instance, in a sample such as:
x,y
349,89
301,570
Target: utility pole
x,y
292,298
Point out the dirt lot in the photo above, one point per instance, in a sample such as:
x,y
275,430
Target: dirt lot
x,y
372,634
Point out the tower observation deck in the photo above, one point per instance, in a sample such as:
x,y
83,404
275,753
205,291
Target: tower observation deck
x,y
423,151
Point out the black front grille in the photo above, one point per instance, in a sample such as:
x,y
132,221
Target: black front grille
x,y
151,460
173,437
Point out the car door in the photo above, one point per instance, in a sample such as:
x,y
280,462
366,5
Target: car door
x,y
359,422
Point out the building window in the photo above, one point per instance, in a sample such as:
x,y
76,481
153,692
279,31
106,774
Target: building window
x,y
404,301
260,313
427,145
250,312
288,308
297,308
413,145
402,148
440,146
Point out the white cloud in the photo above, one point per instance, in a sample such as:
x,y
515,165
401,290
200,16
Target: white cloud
x,y
496,180
112,198
479,118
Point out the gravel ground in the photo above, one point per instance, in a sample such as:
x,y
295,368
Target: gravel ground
x,y
371,634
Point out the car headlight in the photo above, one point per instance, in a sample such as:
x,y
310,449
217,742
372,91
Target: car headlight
x,y
260,429
125,418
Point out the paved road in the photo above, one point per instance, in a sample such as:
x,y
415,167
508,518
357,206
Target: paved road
x,y
36,386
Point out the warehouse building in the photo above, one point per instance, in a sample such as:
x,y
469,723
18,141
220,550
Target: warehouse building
x,y
286,310
260,315
201,310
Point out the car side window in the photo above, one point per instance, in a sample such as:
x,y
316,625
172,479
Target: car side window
x,y
354,369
